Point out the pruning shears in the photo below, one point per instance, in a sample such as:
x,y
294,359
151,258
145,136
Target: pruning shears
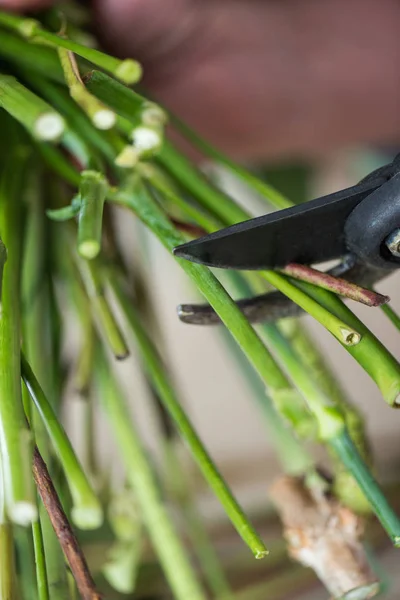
x,y
359,225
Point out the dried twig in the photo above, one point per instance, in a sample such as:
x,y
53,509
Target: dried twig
x,y
326,536
63,530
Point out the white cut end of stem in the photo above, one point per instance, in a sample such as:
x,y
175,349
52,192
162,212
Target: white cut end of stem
x,y
128,158
49,127
145,139
261,554
89,249
87,518
22,513
104,119
350,337
153,115
363,593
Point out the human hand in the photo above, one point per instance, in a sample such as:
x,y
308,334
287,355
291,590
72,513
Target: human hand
x,y
263,79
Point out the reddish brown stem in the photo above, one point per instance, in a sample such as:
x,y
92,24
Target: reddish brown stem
x,y
189,228
335,284
63,530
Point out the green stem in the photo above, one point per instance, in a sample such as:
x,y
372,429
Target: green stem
x,y
92,194
107,325
171,554
347,335
156,372
40,119
8,587
370,353
272,195
41,571
392,315
87,512
15,446
126,103
33,58
344,447
129,71
101,116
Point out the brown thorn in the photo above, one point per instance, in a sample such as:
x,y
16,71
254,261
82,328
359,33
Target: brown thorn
x,y
63,530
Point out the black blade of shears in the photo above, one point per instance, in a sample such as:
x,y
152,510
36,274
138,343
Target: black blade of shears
x,y
309,233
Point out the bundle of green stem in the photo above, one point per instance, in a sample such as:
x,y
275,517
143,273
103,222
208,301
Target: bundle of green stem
x,y
77,144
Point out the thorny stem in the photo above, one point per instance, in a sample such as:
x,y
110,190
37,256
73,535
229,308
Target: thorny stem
x,y
63,530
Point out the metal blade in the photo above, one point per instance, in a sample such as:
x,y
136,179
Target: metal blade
x,y
308,233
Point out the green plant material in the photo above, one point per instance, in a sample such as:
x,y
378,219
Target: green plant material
x,y
86,512
345,486
92,194
3,259
40,119
209,196
129,71
345,448
392,315
370,353
157,375
347,335
74,116
101,116
32,58
126,103
178,483
15,446
123,559
40,560
59,164
66,213
271,194
8,584
107,325
25,567
170,551
40,350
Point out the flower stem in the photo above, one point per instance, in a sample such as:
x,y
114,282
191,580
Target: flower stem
x,y
15,446
107,325
158,377
40,560
92,194
87,512
344,447
392,315
129,71
40,119
172,555
101,116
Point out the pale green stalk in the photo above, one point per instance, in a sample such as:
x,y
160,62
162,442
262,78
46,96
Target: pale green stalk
x,y
93,189
15,446
164,389
86,512
40,119
129,71
39,350
171,553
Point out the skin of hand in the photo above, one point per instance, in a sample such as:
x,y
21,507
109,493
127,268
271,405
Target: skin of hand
x,y
265,79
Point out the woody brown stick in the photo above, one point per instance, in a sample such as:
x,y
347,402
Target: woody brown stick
x,y
63,530
326,536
